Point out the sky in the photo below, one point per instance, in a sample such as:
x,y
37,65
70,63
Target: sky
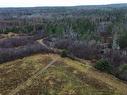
x,y
35,3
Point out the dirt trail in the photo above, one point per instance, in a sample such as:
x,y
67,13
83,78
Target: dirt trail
x,y
40,41
30,80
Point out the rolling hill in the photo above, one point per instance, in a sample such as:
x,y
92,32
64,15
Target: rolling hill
x,y
50,74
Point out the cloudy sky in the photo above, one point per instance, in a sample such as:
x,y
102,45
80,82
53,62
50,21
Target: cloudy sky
x,y
31,3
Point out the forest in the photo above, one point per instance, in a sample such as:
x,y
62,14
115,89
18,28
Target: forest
x,y
96,33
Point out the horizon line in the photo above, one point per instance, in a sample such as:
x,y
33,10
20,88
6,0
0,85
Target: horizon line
x,y
63,5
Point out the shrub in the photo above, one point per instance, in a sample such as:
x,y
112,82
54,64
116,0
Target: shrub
x,y
103,65
123,72
64,53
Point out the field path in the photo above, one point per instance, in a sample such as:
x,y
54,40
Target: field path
x,y
40,41
30,80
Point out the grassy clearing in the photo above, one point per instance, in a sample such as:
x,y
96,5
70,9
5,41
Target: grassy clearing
x,y
63,80
16,72
65,77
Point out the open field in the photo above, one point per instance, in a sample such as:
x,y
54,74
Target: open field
x,y
50,74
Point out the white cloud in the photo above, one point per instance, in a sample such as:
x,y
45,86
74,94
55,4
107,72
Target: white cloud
x,y
28,3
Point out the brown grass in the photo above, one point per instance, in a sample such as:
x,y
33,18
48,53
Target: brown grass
x,y
65,77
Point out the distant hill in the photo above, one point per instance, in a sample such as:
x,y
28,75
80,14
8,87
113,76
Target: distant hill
x,y
105,6
61,9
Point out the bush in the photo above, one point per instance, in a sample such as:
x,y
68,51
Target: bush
x,y
123,72
103,65
64,53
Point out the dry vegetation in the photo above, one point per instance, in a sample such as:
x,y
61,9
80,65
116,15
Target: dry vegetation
x,y
64,77
94,33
